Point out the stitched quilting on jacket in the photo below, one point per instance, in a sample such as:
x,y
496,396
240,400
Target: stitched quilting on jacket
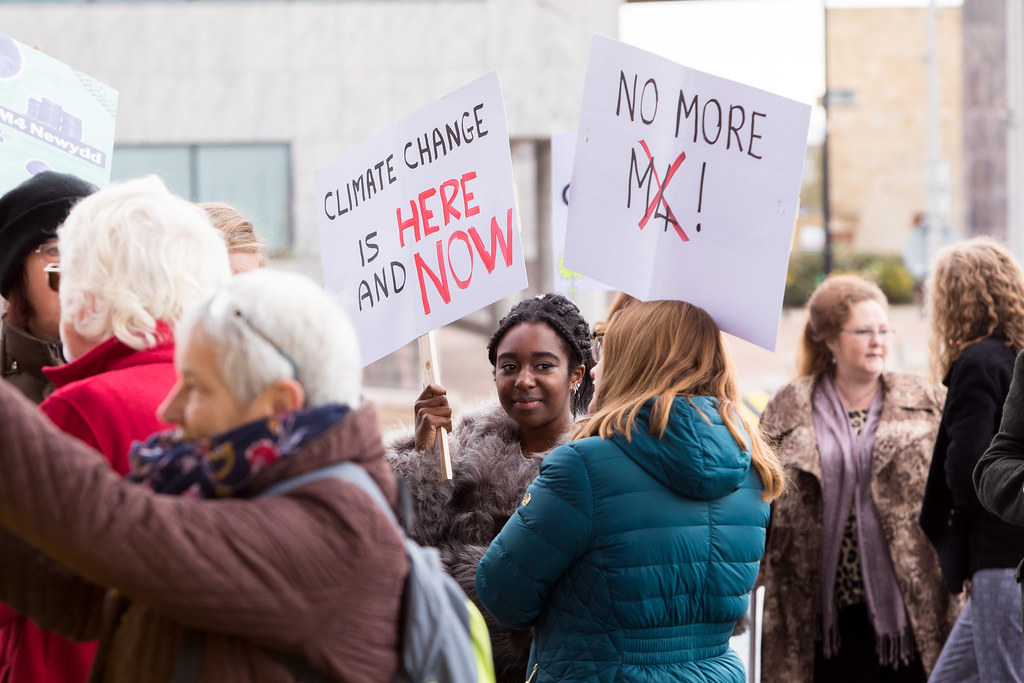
x,y
107,398
633,560
315,574
904,438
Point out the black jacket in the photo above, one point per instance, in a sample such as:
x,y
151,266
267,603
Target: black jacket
x,y
999,476
966,536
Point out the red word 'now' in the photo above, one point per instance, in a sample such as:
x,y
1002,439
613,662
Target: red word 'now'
x,y
472,240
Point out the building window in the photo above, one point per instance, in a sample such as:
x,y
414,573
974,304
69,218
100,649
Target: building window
x,y
254,178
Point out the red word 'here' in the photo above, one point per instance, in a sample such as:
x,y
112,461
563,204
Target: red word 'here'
x,y
421,216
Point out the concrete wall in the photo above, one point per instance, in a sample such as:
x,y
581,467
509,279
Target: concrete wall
x,y
322,76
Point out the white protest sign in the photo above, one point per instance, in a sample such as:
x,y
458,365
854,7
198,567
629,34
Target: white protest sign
x,y
418,225
563,149
686,186
52,118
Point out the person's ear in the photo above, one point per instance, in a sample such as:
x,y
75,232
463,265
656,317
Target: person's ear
x,y
832,343
577,375
285,396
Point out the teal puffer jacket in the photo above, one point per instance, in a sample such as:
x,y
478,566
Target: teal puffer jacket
x,y
633,559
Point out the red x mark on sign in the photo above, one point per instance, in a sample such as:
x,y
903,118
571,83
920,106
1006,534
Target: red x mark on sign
x,y
659,198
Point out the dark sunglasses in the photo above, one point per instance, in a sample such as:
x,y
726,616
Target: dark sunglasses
x,y
53,276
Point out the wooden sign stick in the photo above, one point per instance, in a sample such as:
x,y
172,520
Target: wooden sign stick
x,y
431,375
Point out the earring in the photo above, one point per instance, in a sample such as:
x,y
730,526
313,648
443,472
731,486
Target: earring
x,y
833,360
575,387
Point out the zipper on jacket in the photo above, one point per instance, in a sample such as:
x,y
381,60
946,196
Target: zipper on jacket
x,y
533,674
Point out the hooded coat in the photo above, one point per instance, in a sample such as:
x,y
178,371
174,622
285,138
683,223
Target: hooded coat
x,y
314,575
633,558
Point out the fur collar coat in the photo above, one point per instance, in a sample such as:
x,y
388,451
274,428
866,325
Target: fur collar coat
x,y
462,516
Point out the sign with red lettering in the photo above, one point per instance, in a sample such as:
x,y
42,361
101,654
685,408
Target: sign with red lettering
x,y
418,225
686,186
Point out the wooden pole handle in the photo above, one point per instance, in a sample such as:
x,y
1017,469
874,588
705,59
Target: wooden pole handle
x,y
432,375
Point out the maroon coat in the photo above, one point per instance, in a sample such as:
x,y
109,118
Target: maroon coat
x,y
315,574
108,398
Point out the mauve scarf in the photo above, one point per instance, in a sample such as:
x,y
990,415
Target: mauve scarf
x,y
846,480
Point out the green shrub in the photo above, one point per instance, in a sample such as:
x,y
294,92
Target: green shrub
x,y
806,271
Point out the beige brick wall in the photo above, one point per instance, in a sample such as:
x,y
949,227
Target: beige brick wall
x,y
878,145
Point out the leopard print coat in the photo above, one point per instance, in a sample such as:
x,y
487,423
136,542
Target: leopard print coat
x,y
790,570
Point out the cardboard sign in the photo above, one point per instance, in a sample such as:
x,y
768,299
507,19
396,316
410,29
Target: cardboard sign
x,y
418,225
686,186
563,149
52,118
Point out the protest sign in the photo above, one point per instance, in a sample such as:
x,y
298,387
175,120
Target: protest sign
x,y
418,225
52,118
563,148
686,186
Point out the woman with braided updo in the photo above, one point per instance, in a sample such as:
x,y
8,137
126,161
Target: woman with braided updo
x,y
541,358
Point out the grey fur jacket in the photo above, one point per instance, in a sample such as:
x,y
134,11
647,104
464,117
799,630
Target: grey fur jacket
x,y
461,517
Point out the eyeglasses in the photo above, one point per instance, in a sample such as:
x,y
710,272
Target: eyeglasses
x,y
284,354
866,333
53,276
596,342
48,252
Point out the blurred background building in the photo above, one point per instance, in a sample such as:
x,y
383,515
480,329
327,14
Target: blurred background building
x,y
878,122
241,101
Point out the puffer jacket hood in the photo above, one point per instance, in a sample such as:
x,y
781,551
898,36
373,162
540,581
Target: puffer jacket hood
x,y
622,560
696,457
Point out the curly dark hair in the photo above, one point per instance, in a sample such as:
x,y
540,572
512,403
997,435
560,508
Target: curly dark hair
x,y
564,317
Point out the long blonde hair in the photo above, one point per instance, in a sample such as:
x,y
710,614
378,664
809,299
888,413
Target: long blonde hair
x,y
662,350
976,287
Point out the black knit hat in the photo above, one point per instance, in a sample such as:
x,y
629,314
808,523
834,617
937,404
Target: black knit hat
x,y
30,215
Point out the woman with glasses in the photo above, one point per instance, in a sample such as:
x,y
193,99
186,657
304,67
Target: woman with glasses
x,y
977,310
132,258
853,587
30,337
633,552
541,355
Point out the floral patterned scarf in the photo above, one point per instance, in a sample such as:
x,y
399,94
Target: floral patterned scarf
x,y
221,466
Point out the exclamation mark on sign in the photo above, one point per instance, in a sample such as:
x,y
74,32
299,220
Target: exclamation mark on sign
x,y
700,197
